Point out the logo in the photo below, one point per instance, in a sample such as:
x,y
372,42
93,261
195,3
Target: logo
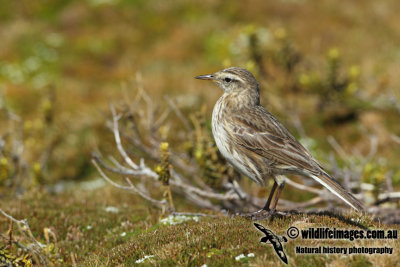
x,y
274,240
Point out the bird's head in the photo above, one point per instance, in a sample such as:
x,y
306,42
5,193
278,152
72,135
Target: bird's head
x,y
233,80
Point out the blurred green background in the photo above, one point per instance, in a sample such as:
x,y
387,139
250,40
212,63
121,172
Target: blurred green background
x,y
331,65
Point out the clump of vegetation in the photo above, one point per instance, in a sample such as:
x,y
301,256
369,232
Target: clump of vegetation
x,y
213,168
26,146
23,249
9,259
336,88
163,171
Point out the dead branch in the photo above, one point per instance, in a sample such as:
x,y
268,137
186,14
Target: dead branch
x,y
304,187
36,246
178,113
130,187
121,150
185,171
179,183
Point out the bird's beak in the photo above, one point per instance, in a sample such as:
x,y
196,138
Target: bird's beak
x,y
206,77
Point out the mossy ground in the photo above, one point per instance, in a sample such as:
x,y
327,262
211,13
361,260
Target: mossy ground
x,y
97,235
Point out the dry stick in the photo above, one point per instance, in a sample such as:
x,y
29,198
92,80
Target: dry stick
x,y
137,142
153,152
310,202
10,235
389,184
117,137
238,190
332,141
304,187
382,198
346,180
171,203
187,189
147,99
320,198
385,197
131,187
395,138
193,194
178,113
24,227
298,125
161,120
373,147
390,195
341,172
146,171
201,202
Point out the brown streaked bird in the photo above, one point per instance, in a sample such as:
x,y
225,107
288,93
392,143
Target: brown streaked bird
x,y
257,144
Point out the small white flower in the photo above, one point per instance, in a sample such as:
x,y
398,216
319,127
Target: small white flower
x,y
204,265
173,220
144,258
112,209
89,227
250,255
241,256
123,234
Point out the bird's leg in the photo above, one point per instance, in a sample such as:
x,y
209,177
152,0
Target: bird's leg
x,y
266,212
278,193
266,207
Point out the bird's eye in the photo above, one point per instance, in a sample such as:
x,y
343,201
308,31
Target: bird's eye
x,y
228,80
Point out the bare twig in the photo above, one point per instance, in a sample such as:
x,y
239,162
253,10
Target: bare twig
x,y
304,187
395,138
178,113
23,226
298,125
389,184
332,141
185,172
147,99
145,171
117,137
373,146
130,187
10,235
386,197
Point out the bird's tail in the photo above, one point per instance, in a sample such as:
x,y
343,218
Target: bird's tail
x,y
339,191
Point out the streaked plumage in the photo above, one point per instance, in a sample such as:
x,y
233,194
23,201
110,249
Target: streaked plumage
x,y
256,143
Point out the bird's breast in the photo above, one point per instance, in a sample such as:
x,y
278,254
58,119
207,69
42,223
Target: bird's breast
x,y
226,145
220,131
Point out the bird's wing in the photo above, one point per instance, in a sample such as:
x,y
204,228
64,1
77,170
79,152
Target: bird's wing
x,y
260,132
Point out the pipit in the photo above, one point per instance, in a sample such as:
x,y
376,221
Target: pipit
x,y
257,144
